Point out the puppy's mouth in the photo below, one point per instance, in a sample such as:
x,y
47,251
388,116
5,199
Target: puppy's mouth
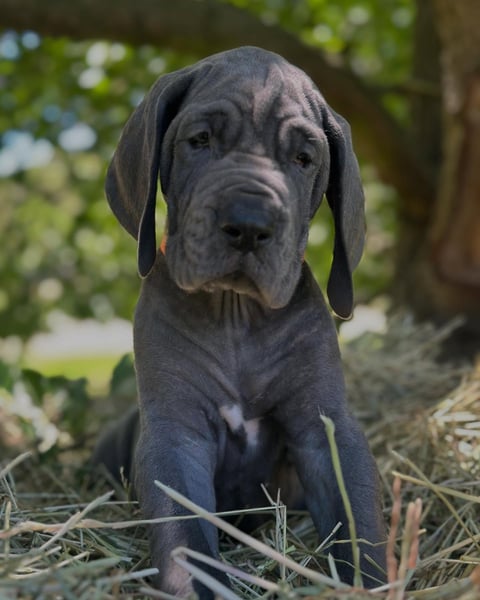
x,y
237,282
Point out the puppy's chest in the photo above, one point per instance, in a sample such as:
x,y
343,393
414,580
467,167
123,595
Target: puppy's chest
x,y
252,365
246,416
254,379
247,432
250,445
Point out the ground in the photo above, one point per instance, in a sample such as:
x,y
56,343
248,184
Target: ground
x,y
64,537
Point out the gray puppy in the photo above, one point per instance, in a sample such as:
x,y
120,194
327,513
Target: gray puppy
x,y
236,353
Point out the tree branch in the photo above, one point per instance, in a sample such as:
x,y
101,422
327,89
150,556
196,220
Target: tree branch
x,y
202,27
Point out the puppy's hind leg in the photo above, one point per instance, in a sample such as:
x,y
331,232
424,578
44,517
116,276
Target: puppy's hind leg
x,y
116,446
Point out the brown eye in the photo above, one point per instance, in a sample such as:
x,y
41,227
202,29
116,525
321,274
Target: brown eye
x,y
200,140
303,159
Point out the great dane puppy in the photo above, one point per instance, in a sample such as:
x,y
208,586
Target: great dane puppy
x,y
235,350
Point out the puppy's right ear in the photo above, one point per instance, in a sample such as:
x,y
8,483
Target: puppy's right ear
x,y
131,184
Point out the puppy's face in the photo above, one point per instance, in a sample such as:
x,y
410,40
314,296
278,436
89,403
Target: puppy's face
x,y
243,170
245,147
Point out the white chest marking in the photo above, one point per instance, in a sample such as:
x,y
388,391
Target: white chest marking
x,y
233,416
252,428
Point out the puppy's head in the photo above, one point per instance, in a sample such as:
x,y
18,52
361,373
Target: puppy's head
x,y
245,147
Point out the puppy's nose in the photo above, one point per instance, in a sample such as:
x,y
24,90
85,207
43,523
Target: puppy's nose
x,y
246,228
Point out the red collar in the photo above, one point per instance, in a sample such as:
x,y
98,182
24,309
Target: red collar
x,y
163,243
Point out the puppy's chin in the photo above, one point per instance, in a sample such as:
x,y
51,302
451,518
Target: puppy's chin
x,y
239,283
270,282
236,282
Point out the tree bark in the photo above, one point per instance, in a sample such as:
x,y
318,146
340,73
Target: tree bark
x,y
447,278
456,231
426,126
202,27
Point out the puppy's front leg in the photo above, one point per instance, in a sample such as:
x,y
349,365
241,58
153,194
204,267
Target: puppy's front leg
x,y
171,452
313,460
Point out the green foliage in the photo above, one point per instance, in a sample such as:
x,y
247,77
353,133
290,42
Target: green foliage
x,y
51,412
123,381
371,36
72,412
54,412
62,116
62,107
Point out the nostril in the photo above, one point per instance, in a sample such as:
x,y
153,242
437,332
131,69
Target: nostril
x,y
233,232
263,236
246,237
237,233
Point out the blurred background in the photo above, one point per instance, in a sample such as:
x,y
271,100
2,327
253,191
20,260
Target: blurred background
x,y
405,73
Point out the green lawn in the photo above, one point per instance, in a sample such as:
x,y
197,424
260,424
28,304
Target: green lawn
x,y
97,369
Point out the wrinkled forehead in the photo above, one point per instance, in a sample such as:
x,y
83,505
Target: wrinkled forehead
x,y
263,85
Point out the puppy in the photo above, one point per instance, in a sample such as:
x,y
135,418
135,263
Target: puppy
x,y
236,352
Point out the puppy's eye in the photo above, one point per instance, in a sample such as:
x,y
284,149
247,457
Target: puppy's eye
x,y
200,140
303,159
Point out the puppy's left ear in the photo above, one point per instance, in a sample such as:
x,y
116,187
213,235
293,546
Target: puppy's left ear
x,y
131,183
347,203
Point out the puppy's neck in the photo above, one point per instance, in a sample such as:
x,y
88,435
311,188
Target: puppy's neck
x,y
239,310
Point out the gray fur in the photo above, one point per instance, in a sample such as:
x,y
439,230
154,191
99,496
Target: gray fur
x,y
236,352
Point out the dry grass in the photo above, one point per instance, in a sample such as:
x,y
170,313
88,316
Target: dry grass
x,y
60,539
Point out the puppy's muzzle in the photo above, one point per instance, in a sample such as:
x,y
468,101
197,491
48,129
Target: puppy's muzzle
x,y
247,223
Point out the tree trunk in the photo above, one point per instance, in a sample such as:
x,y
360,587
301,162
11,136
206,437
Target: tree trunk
x,y
415,217
442,278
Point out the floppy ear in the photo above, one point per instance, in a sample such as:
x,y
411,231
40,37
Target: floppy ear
x,y
346,200
131,184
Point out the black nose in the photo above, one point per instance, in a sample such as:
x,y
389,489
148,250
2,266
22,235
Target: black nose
x,y
246,228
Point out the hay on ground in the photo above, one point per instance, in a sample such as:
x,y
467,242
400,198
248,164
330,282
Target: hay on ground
x,y
61,539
